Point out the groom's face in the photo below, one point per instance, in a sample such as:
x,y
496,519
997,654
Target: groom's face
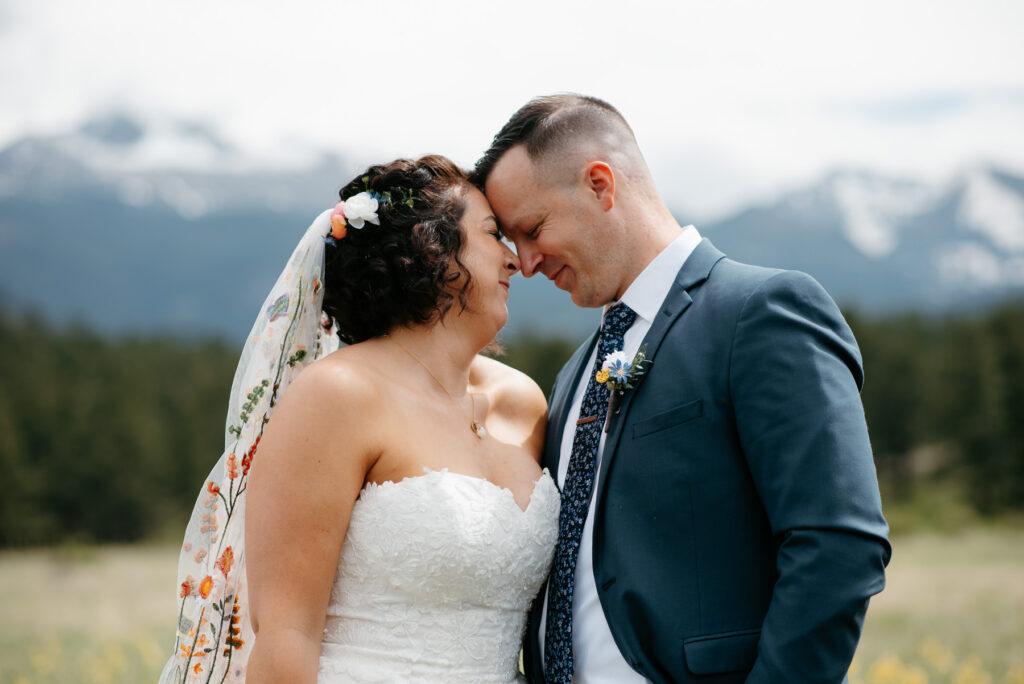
x,y
556,227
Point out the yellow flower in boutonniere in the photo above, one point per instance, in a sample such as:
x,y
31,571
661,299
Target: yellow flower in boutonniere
x,y
602,376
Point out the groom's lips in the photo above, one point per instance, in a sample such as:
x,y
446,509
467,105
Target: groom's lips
x,y
554,276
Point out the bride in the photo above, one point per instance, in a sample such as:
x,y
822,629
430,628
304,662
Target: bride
x,y
391,522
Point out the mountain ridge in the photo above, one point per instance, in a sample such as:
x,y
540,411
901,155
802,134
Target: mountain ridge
x,y
90,233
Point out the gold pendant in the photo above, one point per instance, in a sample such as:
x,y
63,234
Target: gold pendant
x,y
477,429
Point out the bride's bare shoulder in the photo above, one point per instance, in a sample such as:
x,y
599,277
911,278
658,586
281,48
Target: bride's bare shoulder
x,y
344,386
513,394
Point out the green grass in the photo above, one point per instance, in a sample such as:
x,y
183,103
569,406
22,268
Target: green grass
x,y
953,611
86,614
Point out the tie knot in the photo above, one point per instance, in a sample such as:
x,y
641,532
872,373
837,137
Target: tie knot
x,y
617,320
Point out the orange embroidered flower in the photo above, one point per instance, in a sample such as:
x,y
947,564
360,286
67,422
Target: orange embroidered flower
x,y
186,651
247,459
200,556
225,561
187,587
203,640
232,466
233,641
206,586
212,488
197,668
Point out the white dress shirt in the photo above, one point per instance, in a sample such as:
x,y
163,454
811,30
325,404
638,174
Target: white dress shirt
x,y
596,658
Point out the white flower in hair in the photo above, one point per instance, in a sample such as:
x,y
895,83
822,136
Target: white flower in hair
x,y
360,208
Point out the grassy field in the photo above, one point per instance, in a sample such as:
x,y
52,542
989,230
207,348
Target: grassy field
x,y
953,612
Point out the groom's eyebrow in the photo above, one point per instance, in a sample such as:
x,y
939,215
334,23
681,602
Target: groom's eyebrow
x,y
509,228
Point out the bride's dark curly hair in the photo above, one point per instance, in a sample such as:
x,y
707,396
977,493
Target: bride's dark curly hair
x,y
404,271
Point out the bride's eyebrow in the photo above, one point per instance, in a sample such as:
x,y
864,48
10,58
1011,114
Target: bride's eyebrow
x,y
501,226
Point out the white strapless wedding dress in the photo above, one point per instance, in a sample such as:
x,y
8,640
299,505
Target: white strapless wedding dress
x,y
435,579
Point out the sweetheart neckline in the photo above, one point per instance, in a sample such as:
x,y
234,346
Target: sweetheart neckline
x,y
428,472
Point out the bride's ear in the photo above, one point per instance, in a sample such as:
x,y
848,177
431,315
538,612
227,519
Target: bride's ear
x,y
600,182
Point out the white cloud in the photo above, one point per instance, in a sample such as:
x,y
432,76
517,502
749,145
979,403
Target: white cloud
x,y
729,99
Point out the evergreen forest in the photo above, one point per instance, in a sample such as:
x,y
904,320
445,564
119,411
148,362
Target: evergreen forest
x,y
109,440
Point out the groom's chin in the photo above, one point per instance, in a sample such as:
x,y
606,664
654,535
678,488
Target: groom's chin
x,y
584,303
564,280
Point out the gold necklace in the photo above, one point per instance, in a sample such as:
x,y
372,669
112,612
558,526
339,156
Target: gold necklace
x,y
476,427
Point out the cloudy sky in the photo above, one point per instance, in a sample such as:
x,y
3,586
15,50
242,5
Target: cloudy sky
x,y
730,100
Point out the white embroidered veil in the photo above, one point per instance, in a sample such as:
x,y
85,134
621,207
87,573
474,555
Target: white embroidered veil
x,y
214,634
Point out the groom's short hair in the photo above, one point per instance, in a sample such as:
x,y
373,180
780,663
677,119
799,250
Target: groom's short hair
x,y
548,125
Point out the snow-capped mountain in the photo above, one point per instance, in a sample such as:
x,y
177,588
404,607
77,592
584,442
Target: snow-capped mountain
x,y
181,165
167,226
886,244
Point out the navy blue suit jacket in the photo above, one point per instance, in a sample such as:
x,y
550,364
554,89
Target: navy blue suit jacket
x,y
738,531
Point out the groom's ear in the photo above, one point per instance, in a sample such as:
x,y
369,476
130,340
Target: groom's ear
x,y
600,181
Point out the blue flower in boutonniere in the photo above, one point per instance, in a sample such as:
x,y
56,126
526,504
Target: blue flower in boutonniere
x,y
618,373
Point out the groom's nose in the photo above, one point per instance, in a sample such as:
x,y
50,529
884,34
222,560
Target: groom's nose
x,y
529,259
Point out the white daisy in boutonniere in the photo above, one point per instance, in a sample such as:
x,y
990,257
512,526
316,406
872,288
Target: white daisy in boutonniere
x,y
618,373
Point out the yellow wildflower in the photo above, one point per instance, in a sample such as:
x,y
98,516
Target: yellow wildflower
x,y
886,670
936,655
602,376
1015,675
971,672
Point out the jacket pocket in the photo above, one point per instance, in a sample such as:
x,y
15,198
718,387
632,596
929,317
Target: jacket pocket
x,y
666,419
727,652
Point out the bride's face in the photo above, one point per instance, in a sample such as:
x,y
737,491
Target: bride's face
x,y
488,259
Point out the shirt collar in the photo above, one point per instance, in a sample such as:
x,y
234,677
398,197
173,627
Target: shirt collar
x,y
649,289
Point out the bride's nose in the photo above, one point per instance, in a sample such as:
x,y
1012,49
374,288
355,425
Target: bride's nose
x,y
511,261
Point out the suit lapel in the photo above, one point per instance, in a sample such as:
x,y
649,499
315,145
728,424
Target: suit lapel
x,y
695,271
561,401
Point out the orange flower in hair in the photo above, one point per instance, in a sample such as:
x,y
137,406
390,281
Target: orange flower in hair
x,y
339,226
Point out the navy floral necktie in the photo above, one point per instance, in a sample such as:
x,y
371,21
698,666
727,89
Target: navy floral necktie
x,y
576,492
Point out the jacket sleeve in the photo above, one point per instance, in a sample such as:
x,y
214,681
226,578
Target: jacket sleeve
x,y
795,376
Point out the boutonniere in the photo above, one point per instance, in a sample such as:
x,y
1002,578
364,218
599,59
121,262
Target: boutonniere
x,y
618,374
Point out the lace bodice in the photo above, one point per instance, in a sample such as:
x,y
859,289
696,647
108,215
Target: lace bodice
x,y
434,581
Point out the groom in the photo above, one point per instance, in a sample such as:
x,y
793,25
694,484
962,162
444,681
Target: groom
x,y
726,525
